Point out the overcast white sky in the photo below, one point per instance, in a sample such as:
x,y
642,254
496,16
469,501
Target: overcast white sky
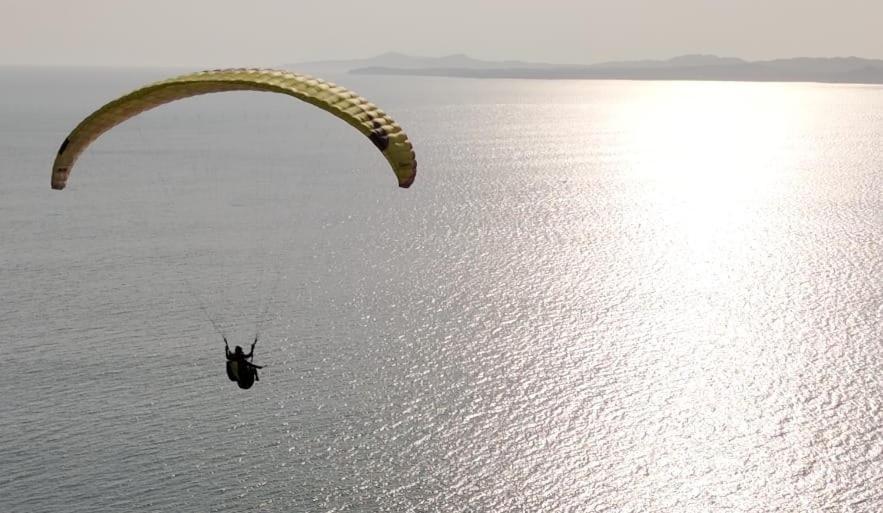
x,y
272,32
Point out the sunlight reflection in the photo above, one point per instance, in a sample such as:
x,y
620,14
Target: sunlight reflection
x,y
711,163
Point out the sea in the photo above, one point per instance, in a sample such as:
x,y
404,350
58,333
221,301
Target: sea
x,y
598,296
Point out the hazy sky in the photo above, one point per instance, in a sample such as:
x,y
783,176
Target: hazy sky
x,y
271,32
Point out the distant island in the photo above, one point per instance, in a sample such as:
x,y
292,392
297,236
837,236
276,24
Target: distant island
x,y
852,70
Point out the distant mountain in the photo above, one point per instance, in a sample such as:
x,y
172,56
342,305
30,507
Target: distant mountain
x,y
409,62
686,67
676,62
832,65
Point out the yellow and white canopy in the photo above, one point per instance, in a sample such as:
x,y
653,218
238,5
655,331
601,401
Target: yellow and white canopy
x,y
363,115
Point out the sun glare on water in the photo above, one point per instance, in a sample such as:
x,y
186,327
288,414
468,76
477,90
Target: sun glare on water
x,y
721,184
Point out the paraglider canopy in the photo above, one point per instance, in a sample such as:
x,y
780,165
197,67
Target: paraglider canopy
x,y
363,115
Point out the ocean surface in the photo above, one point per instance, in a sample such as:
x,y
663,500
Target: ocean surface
x,y
597,296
